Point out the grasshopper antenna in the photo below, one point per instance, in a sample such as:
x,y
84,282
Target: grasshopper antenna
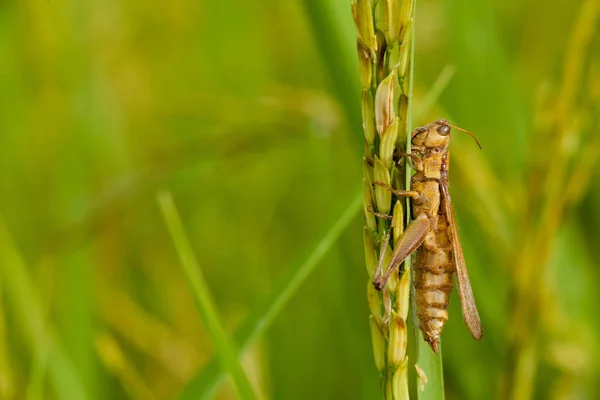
x,y
467,132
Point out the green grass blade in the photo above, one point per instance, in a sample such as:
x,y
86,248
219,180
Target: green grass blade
x,y
21,291
226,351
430,386
204,384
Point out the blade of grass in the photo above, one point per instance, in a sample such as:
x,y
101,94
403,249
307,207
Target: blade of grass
x,y
207,381
430,386
226,351
21,291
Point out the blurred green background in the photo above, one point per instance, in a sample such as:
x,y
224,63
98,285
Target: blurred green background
x,y
248,112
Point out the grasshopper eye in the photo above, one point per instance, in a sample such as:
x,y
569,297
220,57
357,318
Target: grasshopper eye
x,y
443,130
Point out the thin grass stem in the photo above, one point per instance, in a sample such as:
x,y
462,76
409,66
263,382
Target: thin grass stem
x,y
226,351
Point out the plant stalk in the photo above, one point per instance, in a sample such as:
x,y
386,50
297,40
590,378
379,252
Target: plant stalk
x,y
385,51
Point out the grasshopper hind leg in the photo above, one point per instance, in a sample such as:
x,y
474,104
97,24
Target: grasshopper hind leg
x,y
410,240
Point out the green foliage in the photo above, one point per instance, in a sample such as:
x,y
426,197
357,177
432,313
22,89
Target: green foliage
x,y
249,113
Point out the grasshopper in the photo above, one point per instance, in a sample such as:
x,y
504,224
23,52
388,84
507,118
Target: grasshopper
x,y
433,235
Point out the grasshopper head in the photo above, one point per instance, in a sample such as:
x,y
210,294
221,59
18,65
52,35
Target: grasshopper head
x,y
436,134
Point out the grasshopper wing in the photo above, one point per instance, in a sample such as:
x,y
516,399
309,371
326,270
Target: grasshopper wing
x,y
465,292
412,238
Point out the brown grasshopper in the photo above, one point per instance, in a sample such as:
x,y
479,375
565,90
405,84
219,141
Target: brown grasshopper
x,y
434,236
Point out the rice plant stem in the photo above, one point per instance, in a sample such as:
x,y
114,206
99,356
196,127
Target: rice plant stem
x,y
385,44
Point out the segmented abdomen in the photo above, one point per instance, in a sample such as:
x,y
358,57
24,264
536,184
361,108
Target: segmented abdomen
x,y
433,281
